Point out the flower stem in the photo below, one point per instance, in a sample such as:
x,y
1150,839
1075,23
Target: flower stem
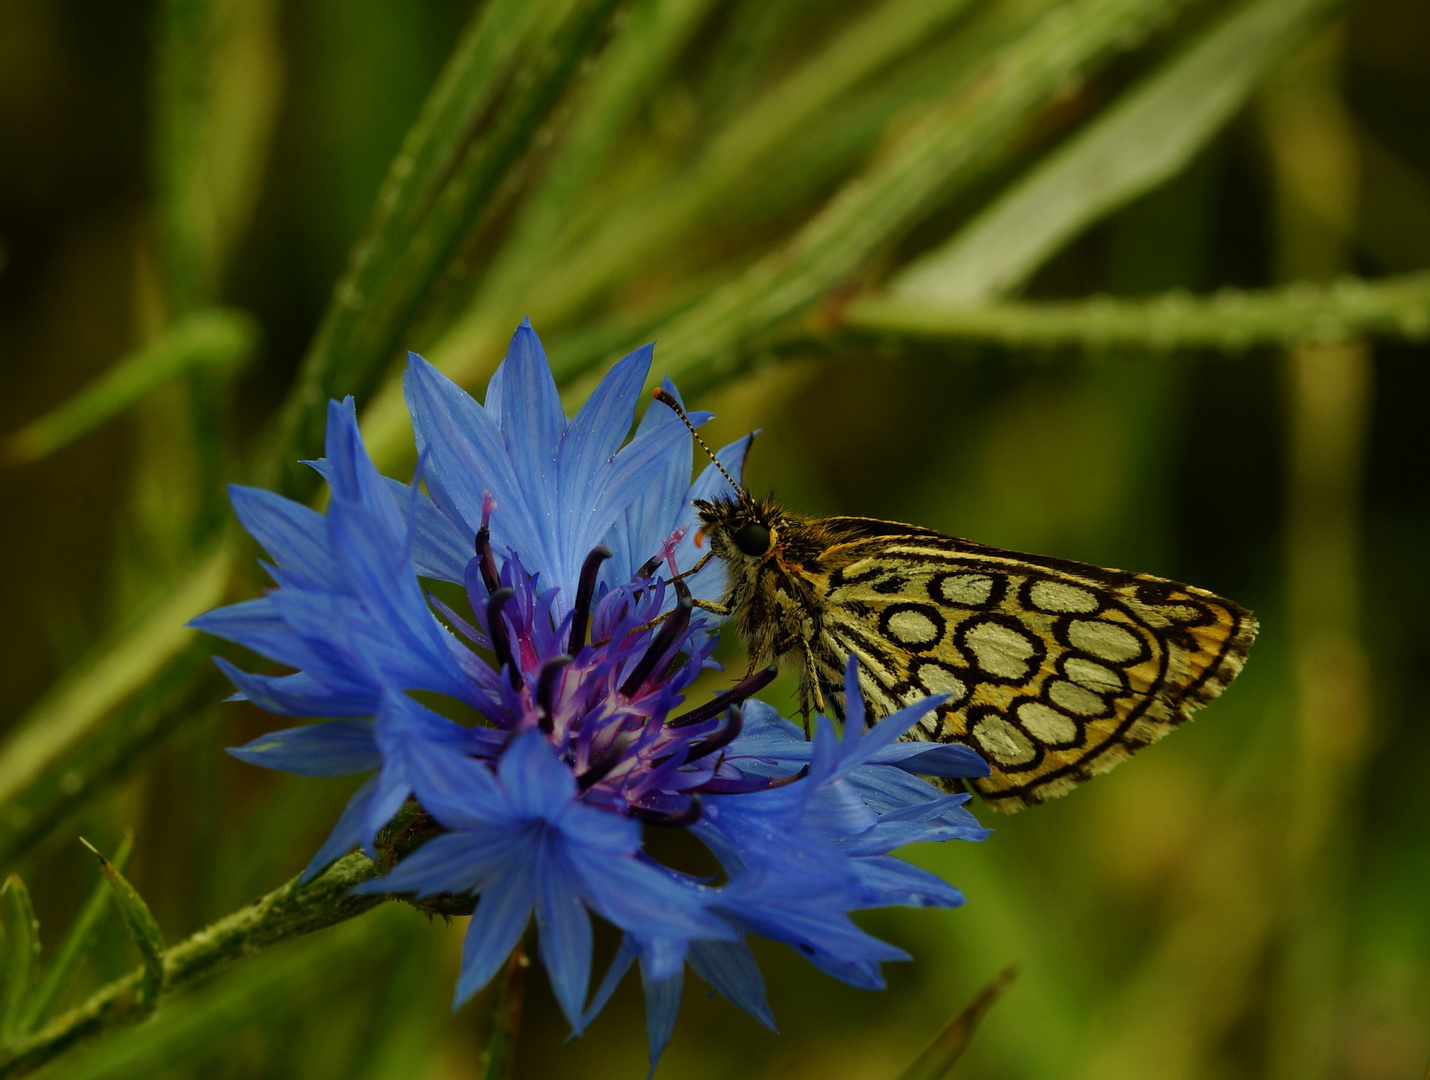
x,y
506,1017
287,912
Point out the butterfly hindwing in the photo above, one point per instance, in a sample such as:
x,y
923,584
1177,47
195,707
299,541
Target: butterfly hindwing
x,y
1056,670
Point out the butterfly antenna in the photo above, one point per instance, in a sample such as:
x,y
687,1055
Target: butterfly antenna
x,y
665,397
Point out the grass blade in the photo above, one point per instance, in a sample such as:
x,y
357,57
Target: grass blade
x,y
948,146
75,946
21,954
629,236
37,748
508,71
143,930
948,1047
217,340
292,910
1141,141
1228,320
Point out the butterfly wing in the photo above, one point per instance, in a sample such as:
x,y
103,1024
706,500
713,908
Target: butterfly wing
x,y
1057,670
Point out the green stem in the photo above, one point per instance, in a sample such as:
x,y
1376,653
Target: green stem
x,y
1230,320
505,1023
290,911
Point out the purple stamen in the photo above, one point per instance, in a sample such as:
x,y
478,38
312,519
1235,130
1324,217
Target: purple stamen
x,y
546,691
501,641
746,687
599,769
689,816
671,631
585,589
721,739
666,554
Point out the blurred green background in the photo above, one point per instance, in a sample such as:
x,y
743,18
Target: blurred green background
x,y
797,200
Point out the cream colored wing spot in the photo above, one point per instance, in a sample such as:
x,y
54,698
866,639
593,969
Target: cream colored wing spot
x,y
914,626
963,590
1075,699
1105,640
1000,650
1003,742
1096,677
1047,724
937,679
1061,598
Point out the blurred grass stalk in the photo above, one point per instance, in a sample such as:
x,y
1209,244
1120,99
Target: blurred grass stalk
x,y
1315,159
1231,320
216,339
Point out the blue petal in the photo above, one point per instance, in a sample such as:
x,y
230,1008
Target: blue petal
x,y
730,967
260,626
637,467
564,928
466,456
937,759
384,579
537,783
636,535
347,833
459,791
439,548
600,427
897,882
861,974
662,1003
532,419
337,748
458,862
352,475
298,695
620,964
290,532
497,924
640,897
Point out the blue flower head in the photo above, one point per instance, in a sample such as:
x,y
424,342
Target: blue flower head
x,y
576,643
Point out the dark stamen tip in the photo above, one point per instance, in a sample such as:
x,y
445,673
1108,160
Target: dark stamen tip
x,y
671,630
585,590
721,739
599,769
546,690
785,781
689,816
501,641
488,562
747,687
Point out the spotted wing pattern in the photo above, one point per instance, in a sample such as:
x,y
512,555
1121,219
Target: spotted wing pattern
x,y
1057,670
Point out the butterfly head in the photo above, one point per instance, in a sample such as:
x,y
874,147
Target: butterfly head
x,y
736,526
739,529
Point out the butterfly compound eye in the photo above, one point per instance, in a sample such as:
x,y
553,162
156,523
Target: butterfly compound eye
x,y
752,539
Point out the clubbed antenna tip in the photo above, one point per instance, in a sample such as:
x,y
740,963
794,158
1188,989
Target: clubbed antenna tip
x,y
665,397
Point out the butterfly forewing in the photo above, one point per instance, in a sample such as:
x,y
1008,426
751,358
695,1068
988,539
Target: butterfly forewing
x,y
1056,670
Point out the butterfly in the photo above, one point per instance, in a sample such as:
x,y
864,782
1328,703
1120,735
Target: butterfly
x,y
1055,670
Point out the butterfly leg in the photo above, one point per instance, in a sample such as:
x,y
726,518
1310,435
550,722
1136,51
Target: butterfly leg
x,y
703,605
810,697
